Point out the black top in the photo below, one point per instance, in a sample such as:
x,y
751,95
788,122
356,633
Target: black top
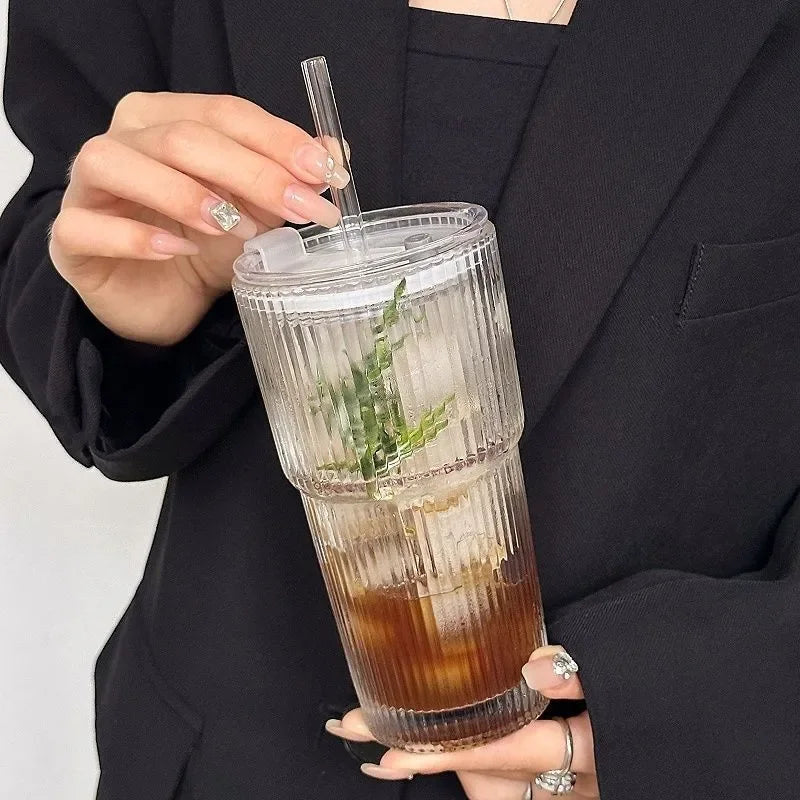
x,y
650,235
470,86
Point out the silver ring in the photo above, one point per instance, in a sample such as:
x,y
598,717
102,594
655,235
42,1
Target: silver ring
x,y
558,781
528,792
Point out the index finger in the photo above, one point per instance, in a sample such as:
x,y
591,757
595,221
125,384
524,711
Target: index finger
x,y
241,120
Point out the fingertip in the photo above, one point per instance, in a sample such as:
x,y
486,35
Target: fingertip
x,y
385,774
303,202
316,164
552,671
546,650
335,728
354,721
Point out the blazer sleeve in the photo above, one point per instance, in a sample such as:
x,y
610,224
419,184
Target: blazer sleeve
x,y
692,682
136,412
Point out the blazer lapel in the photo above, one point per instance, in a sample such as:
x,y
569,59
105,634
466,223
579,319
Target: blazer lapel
x,y
365,44
632,93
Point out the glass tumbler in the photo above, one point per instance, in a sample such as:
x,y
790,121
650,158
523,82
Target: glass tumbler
x,y
392,391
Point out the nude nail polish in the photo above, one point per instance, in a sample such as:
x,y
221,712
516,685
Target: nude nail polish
x,y
332,146
549,672
169,244
320,165
386,774
305,202
335,728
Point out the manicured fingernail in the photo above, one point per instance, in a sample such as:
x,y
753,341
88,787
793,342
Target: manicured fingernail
x,y
334,726
386,774
169,244
306,203
332,146
549,671
222,215
246,229
320,166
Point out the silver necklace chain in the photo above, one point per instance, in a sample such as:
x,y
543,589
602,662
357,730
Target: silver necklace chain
x,y
552,16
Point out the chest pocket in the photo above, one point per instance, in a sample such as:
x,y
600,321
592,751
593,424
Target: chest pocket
x,y
736,277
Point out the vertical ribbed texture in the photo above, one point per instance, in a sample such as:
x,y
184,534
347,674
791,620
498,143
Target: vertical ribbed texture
x,y
437,602
399,423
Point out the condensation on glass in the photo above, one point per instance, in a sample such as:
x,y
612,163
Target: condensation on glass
x,y
393,395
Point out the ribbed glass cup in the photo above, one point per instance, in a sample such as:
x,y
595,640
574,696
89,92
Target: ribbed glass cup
x,y
394,399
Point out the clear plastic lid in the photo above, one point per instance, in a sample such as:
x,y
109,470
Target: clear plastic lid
x,y
423,244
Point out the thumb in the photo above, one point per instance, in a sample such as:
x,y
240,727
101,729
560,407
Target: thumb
x,y
553,672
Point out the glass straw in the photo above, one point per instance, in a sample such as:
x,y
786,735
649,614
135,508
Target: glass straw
x,y
329,127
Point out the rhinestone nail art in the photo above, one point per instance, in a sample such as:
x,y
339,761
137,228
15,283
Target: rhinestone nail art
x,y
330,166
564,665
226,214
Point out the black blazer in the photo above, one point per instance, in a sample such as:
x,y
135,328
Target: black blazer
x,y
650,235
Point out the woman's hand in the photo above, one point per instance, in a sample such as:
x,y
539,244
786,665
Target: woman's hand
x,y
135,235
500,770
